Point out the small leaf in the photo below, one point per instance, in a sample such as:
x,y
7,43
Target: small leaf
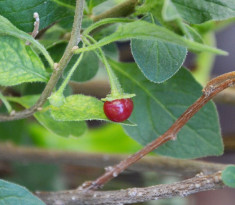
x,y
148,31
19,63
199,11
20,13
64,129
12,194
157,106
156,59
79,108
228,176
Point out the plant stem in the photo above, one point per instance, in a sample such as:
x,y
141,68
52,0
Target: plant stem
x,y
75,37
6,103
121,10
116,90
67,79
215,86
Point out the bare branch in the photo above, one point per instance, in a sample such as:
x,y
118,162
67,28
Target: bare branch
x,y
215,86
36,26
75,36
121,10
133,195
165,165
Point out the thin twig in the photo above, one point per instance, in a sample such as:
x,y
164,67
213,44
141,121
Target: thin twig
x,y
121,10
75,37
36,27
128,196
215,86
165,165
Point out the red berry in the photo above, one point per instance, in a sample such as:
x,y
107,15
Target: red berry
x,y
118,110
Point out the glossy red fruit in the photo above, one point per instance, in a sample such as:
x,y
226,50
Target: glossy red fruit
x,y
118,110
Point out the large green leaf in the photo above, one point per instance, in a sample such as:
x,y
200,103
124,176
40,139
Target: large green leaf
x,y
157,106
12,194
156,59
228,176
7,28
79,108
198,11
64,129
87,68
19,63
148,31
20,13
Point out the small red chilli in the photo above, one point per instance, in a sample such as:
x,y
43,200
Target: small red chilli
x,y
118,110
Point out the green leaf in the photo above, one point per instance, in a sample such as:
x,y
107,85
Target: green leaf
x,y
12,194
79,108
228,176
7,28
156,59
199,11
19,63
157,106
64,129
148,31
87,68
20,13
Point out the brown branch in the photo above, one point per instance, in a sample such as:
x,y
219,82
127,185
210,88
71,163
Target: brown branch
x,y
165,165
36,26
75,36
121,10
215,86
133,195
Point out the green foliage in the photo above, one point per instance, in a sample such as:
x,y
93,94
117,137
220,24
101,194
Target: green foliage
x,y
199,11
228,176
157,60
12,194
64,129
19,63
159,50
148,31
7,28
156,107
20,13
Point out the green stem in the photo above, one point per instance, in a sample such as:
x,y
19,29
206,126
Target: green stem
x,y
116,89
6,103
104,22
123,9
67,79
